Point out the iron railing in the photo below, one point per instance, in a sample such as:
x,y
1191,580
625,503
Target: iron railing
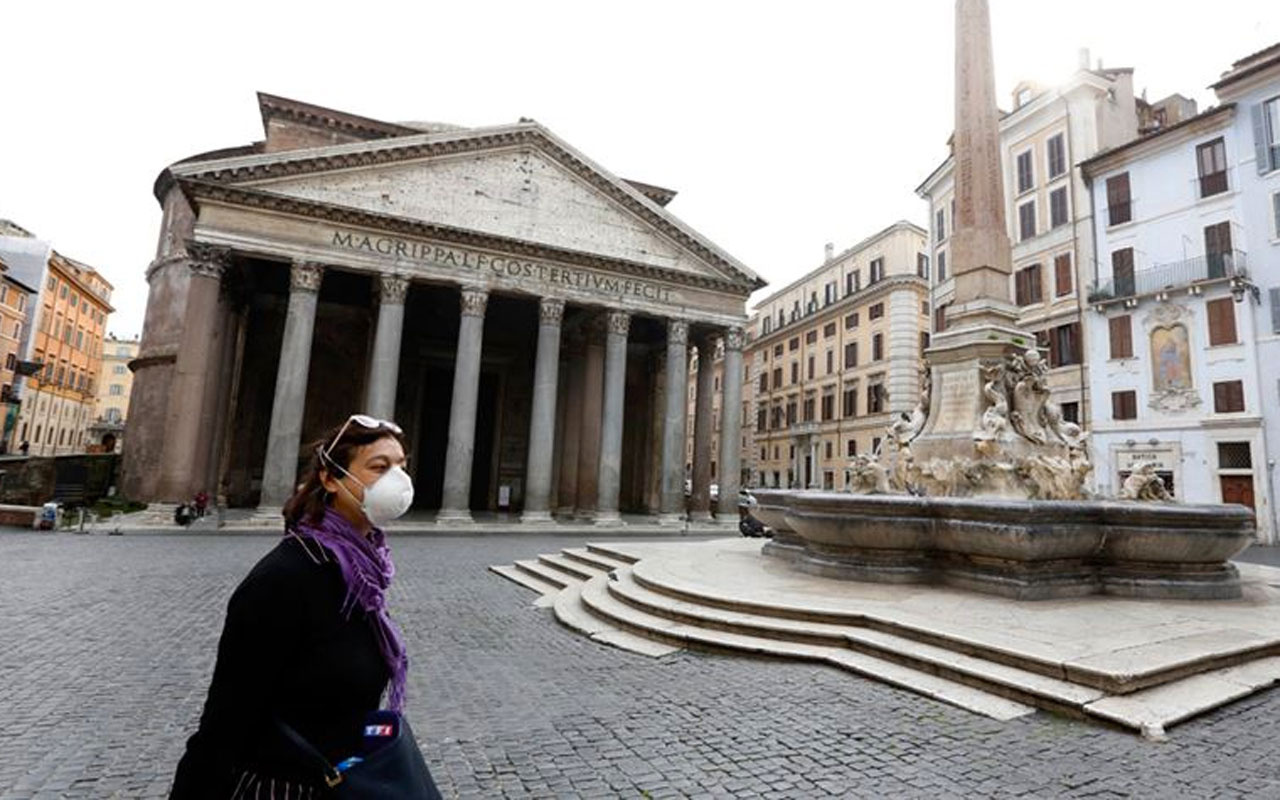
x,y
1175,275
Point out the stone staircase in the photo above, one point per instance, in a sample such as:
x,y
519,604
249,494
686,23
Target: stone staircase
x,y
612,595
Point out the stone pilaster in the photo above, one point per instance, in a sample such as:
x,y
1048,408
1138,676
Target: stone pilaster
x,y
700,500
673,424
460,452
730,426
615,385
542,428
385,361
280,473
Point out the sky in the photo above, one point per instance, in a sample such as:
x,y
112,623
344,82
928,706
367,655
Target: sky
x,y
783,126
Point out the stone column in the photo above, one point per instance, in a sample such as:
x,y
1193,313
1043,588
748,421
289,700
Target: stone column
x,y
542,422
280,474
592,406
812,477
700,500
456,502
730,426
673,424
653,463
571,433
189,428
615,385
385,372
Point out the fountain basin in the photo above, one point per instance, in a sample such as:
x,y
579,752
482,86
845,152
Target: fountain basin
x,y
1021,549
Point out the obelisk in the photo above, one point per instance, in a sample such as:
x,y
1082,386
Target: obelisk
x,y
980,321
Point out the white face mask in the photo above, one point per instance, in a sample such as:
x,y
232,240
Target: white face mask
x,y
387,499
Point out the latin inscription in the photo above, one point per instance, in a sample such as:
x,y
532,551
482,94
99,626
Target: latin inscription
x,y
504,267
957,402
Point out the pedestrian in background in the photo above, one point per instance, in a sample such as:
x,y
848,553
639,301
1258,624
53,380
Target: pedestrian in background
x,y
308,646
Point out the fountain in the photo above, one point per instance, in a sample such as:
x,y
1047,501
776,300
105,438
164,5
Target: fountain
x,y
983,485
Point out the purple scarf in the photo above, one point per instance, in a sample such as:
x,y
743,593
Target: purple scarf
x,y
367,570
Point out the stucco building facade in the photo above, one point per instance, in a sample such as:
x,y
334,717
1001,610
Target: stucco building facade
x,y
524,314
106,433
835,355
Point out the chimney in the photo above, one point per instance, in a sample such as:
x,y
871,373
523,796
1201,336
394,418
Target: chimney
x,y
830,250
1083,58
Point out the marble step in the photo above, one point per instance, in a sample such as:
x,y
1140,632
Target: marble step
x,y
616,552
528,581
541,571
571,612
1018,684
598,598
592,559
574,569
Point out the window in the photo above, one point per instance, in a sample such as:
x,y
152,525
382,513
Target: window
x,y
764,381
808,409
782,319
829,330
1121,334
1063,279
766,326
924,341
1275,215
1217,249
791,412
940,319
1071,412
853,281
777,350
794,344
1058,207
851,355
851,448
940,225
876,311
830,361
877,347
1234,455
850,408
53,284
828,294
762,422
1122,271
810,367
876,271
1027,220
1057,155
777,377
1266,133
62,291
1124,405
75,300
1118,202
1222,321
851,321
1064,345
875,398
828,409
811,337
1026,178
942,263
1027,285
115,389
922,265
827,452
1211,166
813,302
1228,397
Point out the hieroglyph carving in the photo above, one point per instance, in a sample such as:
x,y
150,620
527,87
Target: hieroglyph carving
x,y
474,302
305,276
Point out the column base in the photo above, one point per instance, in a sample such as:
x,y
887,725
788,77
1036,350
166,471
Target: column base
x,y
585,515
537,518
671,520
610,519
700,516
454,516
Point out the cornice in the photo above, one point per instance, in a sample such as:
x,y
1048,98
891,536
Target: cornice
x,y
409,148
344,215
837,309
274,106
1145,145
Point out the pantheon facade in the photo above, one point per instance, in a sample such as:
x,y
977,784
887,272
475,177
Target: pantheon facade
x,y
526,316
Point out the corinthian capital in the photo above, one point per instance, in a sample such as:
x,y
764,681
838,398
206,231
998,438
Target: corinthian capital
x,y
619,323
677,332
392,289
207,260
474,302
305,276
550,310
733,339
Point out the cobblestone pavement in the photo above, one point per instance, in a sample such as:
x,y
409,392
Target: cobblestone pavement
x,y
106,645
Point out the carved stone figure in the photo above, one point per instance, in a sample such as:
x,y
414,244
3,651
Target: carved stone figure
x,y
995,419
1145,485
1030,393
869,475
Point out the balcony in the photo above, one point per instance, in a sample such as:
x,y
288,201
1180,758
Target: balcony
x,y
1169,277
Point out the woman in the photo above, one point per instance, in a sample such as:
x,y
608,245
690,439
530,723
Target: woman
x,y
307,639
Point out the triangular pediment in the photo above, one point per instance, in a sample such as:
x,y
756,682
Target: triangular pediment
x,y
517,183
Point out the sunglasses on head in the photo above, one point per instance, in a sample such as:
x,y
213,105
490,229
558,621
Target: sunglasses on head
x,y
364,421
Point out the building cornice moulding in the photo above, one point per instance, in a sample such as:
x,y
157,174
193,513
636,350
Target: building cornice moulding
x,y
837,309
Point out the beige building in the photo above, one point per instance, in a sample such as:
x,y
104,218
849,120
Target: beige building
x,y
109,418
1048,210
835,355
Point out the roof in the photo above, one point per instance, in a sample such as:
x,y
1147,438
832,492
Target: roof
x,y
27,258
1105,154
1250,64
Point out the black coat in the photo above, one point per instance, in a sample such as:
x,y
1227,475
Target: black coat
x,y
286,651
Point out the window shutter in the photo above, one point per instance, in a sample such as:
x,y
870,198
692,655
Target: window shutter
x,y
1261,152
1219,397
1121,337
1275,310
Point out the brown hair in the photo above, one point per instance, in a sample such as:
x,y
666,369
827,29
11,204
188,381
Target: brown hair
x,y
310,500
